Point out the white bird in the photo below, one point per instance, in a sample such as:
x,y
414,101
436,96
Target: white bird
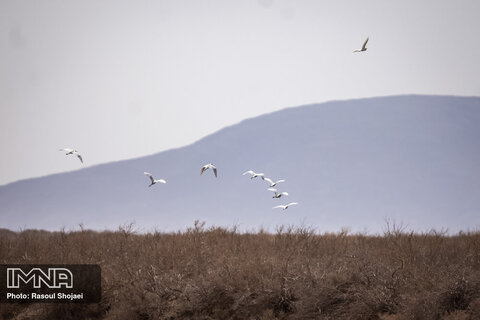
x,y
72,151
253,174
364,47
209,166
153,181
285,206
277,194
272,183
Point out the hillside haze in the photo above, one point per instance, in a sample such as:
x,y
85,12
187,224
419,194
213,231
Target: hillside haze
x,y
356,163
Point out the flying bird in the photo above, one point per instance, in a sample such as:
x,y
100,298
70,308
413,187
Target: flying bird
x,y
285,206
272,183
277,194
153,181
72,151
209,166
364,47
253,174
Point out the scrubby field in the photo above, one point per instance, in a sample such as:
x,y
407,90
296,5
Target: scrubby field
x,y
291,274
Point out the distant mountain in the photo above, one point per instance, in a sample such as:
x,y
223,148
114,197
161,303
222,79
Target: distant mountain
x,y
410,159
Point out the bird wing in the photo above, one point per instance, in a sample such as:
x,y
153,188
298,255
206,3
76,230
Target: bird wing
x,y
80,157
268,180
260,175
150,176
365,44
203,169
280,181
280,206
215,171
248,172
272,189
292,203
161,181
285,193
66,149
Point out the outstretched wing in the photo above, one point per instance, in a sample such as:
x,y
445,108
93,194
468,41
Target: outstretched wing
x,y
66,150
365,44
280,206
272,189
215,171
149,175
203,169
248,172
161,181
280,181
268,180
80,157
291,204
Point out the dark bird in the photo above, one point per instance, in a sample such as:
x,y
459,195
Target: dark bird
x,y
364,47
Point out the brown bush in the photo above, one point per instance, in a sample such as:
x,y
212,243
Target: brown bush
x,y
219,273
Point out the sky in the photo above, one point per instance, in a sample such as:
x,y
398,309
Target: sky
x,y
122,79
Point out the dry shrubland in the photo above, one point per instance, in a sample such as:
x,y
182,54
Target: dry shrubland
x,y
295,273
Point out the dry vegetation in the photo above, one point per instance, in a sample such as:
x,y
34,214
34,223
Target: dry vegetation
x,y
293,274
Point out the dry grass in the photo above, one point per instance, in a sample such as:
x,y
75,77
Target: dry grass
x,y
293,274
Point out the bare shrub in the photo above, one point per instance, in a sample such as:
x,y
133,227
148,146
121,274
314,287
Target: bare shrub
x,y
294,273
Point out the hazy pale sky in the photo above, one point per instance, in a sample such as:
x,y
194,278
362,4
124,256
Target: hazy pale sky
x,y
121,79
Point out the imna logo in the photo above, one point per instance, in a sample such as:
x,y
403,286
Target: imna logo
x,y
53,278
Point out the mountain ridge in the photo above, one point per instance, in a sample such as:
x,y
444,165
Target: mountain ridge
x,y
238,123
348,154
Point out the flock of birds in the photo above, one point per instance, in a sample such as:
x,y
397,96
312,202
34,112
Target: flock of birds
x,y
253,175
272,184
277,194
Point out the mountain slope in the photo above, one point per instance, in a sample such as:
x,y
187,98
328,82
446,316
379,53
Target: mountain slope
x,y
412,159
